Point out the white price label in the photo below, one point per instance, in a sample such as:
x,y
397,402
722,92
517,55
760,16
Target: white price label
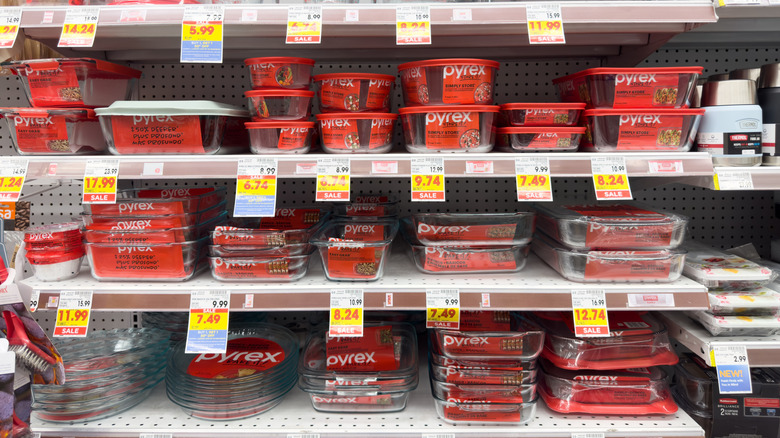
x,y
333,179
732,180
304,24
589,308
13,172
346,313
10,22
545,23
73,314
479,167
610,178
650,300
428,179
80,27
384,167
533,179
208,323
732,367
485,302
132,16
443,308
413,24
461,14
665,166
256,187
156,435
100,181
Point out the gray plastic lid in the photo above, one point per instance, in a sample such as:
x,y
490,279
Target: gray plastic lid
x,y
171,108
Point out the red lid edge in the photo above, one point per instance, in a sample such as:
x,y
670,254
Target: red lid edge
x,y
359,116
453,61
278,59
278,125
279,93
369,76
448,108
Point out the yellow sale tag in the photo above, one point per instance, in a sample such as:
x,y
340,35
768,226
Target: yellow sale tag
x,y
413,24
100,184
202,32
442,308
259,186
428,183
80,27
333,183
444,314
12,175
333,179
100,181
304,24
589,308
11,184
545,25
8,35
208,319
346,312
73,314
533,183
72,317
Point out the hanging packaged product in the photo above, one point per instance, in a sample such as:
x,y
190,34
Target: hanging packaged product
x,y
351,133
722,271
636,340
74,82
661,87
671,130
659,266
355,250
464,128
173,127
354,92
769,100
731,127
635,391
279,72
757,302
66,131
448,82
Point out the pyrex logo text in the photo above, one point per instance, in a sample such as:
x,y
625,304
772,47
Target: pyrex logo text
x,y
646,120
351,359
145,120
460,70
339,123
442,118
132,225
461,341
130,207
338,82
455,229
27,121
634,78
243,356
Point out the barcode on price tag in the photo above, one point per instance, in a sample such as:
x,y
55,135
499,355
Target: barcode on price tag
x,y
732,367
12,175
10,20
256,187
438,435
303,435
346,313
100,181
732,180
588,435
80,27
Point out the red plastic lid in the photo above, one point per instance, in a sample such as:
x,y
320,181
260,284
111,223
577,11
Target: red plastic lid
x,y
555,105
278,125
358,76
536,130
278,59
452,61
51,257
666,406
637,70
43,112
449,109
52,64
649,111
279,93
358,116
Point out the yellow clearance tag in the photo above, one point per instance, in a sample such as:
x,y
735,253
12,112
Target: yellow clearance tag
x,y
610,178
589,308
442,308
346,312
259,186
80,27
73,314
545,25
100,181
333,179
304,24
202,31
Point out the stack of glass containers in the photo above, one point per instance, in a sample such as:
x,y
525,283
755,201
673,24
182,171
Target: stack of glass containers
x,y
107,373
54,251
485,373
272,249
372,373
251,377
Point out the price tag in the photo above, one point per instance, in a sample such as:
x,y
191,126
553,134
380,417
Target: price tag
x,y
10,20
256,187
428,179
80,27
384,167
461,15
413,24
590,313
132,16
443,308
304,24
545,25
588,435
12,175
346,313
733,369
476,167
333,179
201,34
73,314
100,181
156,435
35,296
665,166
533,179
610,178
208,326
732,180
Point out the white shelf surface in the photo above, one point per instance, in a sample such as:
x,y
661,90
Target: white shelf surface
x,y
296,416
763,177
640,164
536,287
625,30
762,351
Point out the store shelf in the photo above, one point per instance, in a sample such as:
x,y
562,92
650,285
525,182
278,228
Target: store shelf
x,y
762,351
655,164
737,25
762,177
296,416
536,287
625,31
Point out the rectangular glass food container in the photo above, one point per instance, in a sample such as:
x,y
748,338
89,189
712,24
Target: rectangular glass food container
x,y
637,130
63,131
471,229
355,250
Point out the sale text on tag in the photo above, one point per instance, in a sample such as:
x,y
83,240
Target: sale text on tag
x,y
733,369
12,175
333,179
413,24
533,179
346,312
428,179
100,181
202,34
10,20
590,313
610,178
545,25
304,24
256,187
443,308
80,27
732,180
208,323
73,314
